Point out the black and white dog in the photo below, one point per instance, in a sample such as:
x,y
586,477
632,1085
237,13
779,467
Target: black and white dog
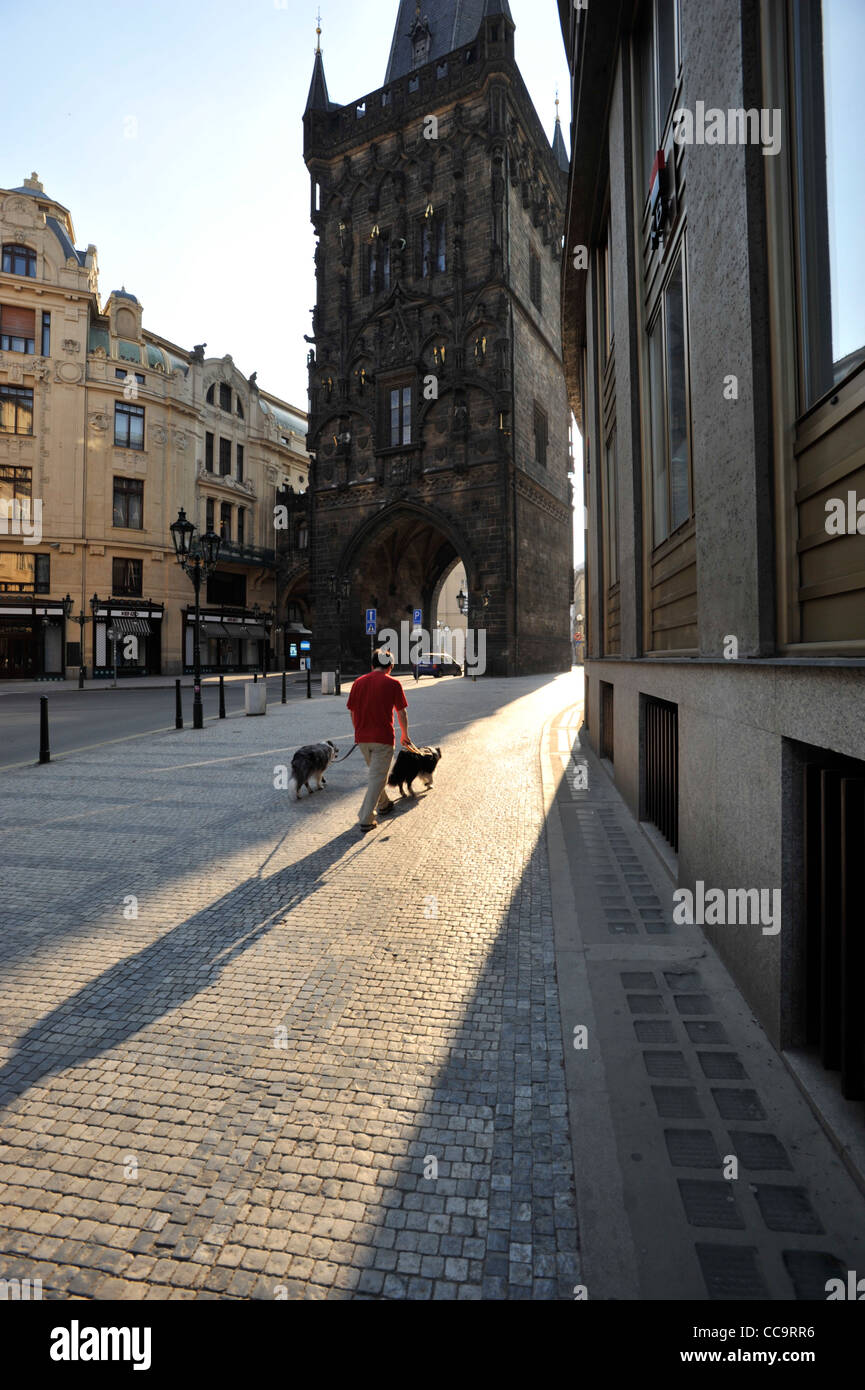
x,y
311,761
420,762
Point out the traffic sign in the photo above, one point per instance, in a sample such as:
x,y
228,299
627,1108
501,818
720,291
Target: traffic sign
x,y
417,617
371,622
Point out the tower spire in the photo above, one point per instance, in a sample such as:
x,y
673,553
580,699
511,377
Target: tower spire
x,y
318,99
318,31
559,150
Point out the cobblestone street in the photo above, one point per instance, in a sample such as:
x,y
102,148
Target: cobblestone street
x,y
249,1053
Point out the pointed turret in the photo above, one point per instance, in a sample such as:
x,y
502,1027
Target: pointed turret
x,y
318,99
559,149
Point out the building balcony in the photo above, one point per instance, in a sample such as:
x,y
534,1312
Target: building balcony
x,y
238,553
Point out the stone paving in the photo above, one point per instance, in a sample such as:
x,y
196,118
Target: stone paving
x,y
247,1052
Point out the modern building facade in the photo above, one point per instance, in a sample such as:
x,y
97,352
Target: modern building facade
x,y
713,306
439,416
106,430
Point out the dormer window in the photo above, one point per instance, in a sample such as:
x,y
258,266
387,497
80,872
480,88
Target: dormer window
x,y
421,37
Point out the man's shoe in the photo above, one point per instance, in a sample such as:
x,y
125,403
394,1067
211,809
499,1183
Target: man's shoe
x,y
370,825
385,810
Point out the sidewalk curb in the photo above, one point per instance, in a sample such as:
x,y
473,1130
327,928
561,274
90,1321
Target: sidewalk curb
x,y
608,1258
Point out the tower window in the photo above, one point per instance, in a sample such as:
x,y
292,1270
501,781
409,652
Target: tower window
x,y
398,408
378,265
433,246
541,435
535,279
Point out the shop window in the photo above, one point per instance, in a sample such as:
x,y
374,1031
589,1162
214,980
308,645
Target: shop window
x,y
668,391
128,425
19,260
225,457
129,503
16,410
17,329
126,577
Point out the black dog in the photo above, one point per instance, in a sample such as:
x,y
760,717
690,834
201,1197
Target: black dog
x,y
420,762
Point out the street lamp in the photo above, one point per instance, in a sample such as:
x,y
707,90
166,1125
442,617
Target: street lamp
x,y
197,555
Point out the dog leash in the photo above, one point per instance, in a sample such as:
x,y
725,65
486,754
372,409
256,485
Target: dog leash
x,y
409,747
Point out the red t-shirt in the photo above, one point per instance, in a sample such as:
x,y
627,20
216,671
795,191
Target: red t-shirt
x,y
373,699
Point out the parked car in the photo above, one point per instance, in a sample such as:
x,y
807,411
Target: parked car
x,y
437,664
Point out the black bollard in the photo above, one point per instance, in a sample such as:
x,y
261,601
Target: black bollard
x,y
338,681
44,750
81,676
309,682
222,697
255,679
178,703
284,694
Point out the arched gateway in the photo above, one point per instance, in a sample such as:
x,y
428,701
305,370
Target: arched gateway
x,y
438,412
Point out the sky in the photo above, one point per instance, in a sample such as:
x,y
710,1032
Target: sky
x,y
172,131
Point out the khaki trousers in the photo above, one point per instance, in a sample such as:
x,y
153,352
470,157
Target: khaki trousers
x,y
378,759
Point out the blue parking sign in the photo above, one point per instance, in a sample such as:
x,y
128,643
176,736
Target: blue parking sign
x,y
371,622
417,617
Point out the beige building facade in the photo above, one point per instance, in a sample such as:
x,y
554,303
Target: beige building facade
x,y
106,431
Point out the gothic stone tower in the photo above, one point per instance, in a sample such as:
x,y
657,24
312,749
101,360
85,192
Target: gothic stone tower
x,y
438,409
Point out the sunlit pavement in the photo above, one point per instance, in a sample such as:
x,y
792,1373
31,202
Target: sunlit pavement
x,y
248,1052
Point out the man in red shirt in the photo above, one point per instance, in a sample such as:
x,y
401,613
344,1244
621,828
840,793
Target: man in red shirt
x,y
372,702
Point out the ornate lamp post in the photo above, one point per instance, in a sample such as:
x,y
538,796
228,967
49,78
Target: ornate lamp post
x,y
198,556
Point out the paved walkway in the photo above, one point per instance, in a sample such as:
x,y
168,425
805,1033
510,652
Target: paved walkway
x,y
246,1052
701,1170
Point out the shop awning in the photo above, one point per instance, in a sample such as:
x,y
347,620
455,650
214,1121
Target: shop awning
x,y
130,627
298,629
257,631
214,630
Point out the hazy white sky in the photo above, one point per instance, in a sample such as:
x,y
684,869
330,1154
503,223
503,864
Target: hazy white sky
x,y
172,131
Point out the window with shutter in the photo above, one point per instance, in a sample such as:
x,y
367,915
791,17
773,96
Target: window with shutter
x,y
17,329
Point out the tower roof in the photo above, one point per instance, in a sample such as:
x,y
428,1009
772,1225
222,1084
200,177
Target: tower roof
x,y
451,23
318,99
559,149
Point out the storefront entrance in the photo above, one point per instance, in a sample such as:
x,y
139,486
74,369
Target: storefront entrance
x,y
19,651
31,642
